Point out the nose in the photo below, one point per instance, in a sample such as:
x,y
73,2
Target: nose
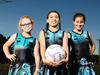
x,y
54,19
80,24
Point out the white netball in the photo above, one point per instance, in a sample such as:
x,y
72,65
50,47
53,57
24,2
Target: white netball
x,y
54,52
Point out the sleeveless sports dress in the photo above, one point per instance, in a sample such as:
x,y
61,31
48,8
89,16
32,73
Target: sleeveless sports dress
x,y
23,48
54,38
79,48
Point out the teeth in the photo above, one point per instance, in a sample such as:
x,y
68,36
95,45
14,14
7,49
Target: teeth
x,y
53,22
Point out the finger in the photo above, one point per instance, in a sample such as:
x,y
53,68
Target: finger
x,y
14,55
10,59
13,58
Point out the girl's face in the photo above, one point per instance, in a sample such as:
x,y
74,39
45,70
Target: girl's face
x,y
53,19
26,25
78,23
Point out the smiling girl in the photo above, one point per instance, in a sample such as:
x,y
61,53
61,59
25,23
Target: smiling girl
x,y
81,43
25,52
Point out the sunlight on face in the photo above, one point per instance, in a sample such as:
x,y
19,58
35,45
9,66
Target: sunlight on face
x,y
78,23
26,25
25,21
53,19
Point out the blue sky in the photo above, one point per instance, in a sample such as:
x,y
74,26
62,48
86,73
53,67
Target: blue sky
x,y
38,9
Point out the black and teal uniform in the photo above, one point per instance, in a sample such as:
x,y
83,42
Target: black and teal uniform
x,y
79,48
54,38
23,48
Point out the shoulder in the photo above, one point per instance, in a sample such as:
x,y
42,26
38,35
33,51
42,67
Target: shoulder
x,y
69,34
89,34
12,38
14,35
36,41
65,33
41,32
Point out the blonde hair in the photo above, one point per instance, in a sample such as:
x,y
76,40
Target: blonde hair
x,y
20,22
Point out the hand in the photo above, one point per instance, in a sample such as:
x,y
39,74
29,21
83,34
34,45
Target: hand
x,y
11,57
62,62
48,62
91,52
55,64
51,64
36,72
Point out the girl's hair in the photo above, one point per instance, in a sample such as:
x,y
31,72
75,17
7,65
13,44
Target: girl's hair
x,y
53,11
79,15
20,21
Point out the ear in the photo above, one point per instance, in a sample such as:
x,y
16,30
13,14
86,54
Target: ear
x,y
73,22
47,21
21,28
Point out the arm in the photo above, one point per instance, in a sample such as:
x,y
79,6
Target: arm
x,y
42,45
43,48
92,45
37,57
6,47
65,46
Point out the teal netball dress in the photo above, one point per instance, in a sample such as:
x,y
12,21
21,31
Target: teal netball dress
x,y
54,38
80,49
23,48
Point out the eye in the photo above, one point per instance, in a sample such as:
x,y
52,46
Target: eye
x,y
77,21
56,16
51,16
82,22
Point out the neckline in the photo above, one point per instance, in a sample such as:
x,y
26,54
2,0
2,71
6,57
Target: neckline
x,y
24,36
78,33
53,32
